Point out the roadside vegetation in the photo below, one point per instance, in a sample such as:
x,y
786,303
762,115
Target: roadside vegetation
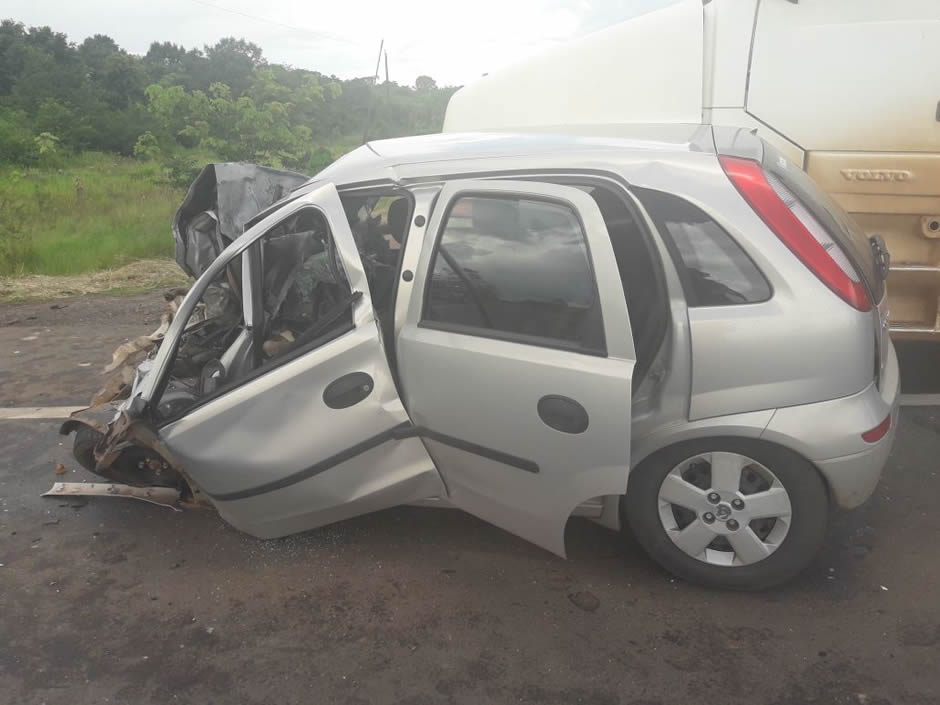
x,y
97,145
97,211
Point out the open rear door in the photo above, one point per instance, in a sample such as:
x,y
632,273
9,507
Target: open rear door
x,y
516,356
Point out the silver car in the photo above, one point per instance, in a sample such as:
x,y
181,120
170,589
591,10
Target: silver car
x,y
672,328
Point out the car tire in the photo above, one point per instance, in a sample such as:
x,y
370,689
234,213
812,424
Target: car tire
x,y
83,447
134,466
647,514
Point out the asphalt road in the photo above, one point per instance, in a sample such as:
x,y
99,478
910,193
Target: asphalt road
x,y
117,601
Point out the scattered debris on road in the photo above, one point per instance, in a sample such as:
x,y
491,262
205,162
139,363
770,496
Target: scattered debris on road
x,y
585,600
126,358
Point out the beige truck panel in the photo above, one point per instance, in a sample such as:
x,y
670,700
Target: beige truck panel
x,y
856,84
896,195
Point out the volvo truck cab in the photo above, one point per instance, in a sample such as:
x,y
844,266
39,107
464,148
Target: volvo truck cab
x,y
847,89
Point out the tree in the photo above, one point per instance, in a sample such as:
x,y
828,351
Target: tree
x,y
12,36
121,80
425,83
170,107
172,64
233,62
96,50
224,99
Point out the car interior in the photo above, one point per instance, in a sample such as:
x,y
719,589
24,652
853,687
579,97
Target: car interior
x,y
640,275
305,296
305,299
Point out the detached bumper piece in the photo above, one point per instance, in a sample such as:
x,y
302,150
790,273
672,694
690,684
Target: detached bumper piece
x,y
164,496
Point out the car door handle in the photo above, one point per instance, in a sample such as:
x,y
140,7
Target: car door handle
x,y
348,390
563,414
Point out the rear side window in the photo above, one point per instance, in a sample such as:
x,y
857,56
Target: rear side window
x,y
715,270
517,269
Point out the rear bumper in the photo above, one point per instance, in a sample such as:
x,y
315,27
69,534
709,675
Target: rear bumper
x,y
853,478
829,434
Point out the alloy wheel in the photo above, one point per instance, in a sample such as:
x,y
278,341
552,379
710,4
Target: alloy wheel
x,y
724,509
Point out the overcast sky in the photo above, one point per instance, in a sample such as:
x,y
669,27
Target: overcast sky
x,y
454,42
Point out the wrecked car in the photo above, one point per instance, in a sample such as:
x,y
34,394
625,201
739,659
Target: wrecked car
x,y
671,329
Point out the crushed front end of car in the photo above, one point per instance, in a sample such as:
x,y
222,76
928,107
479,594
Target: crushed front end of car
x,y
113,437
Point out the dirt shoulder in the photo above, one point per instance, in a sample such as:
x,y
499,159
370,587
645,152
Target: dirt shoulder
x,y
134,278
52,352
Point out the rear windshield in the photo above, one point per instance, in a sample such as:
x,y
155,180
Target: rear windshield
x,y
830,214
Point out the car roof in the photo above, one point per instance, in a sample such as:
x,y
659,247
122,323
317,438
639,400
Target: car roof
x,y
389,153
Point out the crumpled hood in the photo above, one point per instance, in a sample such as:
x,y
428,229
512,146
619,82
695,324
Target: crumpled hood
x,y
218,204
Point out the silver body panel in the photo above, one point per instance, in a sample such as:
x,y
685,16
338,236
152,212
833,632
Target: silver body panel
x,y
766,343
257,450
254,433
782,370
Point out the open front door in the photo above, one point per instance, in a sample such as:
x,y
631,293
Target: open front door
x,y
310,432
516,356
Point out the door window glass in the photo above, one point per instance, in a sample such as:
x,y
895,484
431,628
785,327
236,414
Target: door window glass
x,y
304,290
215,331
515,268
299,297
715,270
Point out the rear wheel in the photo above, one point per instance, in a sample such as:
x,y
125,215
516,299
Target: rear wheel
x,y
730,513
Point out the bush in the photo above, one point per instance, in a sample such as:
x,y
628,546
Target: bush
x,y
16,249
117,131
16,141
146,147
181,170
320,160
70,126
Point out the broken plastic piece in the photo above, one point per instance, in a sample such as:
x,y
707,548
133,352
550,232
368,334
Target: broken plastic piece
x,y
164,496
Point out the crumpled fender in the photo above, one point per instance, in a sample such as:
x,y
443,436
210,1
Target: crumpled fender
x,y
122,430
119,430
127,430
96,417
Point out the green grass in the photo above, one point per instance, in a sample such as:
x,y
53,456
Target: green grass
x,y
95,211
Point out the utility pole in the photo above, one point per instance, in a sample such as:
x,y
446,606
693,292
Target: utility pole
x,y
378,62
375,81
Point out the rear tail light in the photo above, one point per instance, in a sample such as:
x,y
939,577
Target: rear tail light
x,y
878,432
796,227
